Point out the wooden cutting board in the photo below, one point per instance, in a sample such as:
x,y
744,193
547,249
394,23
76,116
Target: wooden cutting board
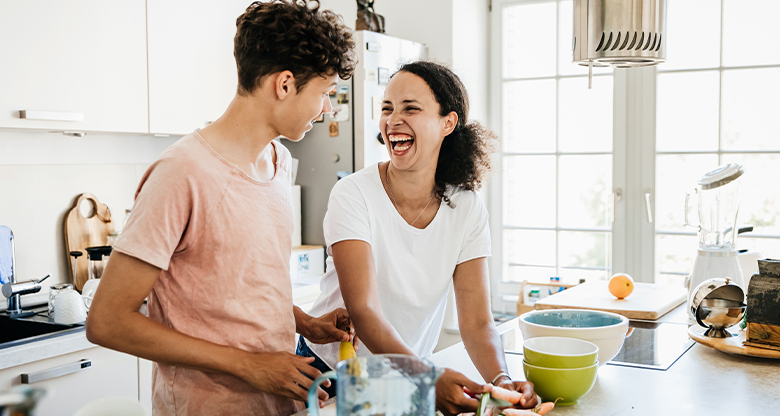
x,y
81,232
732,345
648,301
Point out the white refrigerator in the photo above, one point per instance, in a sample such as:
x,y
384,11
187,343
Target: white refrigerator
x,y
346,141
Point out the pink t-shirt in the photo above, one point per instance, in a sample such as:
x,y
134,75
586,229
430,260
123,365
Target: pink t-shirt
x,y
223,241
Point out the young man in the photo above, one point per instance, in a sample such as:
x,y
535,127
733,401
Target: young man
x,y
209,240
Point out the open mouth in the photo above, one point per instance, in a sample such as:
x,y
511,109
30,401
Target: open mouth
x,y
400,142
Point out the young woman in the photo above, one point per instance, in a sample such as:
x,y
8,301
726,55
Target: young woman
x,y
400,233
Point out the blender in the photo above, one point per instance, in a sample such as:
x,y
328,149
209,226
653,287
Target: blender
x,y
718,202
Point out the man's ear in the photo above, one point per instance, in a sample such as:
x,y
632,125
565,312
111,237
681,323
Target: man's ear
x,y
284,84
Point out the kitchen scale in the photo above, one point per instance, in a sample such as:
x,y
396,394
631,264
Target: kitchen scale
x,y
652,345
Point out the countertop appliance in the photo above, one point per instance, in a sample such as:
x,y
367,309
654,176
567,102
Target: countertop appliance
x,y
346,141
718,205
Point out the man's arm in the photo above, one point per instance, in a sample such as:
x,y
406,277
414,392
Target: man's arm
x,y
114,321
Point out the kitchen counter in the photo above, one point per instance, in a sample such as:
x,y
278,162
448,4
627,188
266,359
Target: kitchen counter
x,y
45,347
703,381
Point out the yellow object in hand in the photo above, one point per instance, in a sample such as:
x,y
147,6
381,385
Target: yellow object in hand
x,y
346,351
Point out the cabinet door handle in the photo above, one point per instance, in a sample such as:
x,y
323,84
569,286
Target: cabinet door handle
x,y
43,375
50,115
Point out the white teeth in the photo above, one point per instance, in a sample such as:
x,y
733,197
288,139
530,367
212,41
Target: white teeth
x,y
399,138
402,148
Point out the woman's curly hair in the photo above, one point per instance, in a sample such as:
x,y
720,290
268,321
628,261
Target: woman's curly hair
x,y
464,158
278,35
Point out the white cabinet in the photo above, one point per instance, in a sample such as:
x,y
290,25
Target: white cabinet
x,y
192,71
78,59
90,374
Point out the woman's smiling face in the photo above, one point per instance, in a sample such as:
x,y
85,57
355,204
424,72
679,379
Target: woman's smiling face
x,y
410,124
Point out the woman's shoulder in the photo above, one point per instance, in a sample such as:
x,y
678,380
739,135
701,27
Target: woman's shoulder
x,y
465,200
361,182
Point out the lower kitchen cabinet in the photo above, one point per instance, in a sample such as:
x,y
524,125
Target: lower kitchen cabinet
x,y
75,379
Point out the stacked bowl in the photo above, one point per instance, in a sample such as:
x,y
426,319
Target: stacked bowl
x,y
605,329
563,349
562,369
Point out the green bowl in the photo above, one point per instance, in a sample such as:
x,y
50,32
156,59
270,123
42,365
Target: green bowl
x,y
560,352
568,384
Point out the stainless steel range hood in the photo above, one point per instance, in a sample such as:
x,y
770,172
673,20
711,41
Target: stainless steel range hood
x,y
619,33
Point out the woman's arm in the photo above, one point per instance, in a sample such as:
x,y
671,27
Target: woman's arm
x,y
355,267
475,319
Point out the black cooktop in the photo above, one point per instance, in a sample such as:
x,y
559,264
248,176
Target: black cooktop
x,y
650,345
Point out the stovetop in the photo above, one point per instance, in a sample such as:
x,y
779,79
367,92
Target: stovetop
x,y
652,345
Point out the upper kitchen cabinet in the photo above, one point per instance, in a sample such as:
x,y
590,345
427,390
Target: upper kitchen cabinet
x,y
192,72
73,65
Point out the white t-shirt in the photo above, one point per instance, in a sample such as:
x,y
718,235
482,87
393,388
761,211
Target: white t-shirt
x,y
414,267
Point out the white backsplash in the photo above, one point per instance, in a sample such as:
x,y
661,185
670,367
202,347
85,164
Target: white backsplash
x,y
41,174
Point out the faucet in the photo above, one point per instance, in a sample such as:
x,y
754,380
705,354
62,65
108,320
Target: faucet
x,y
11,289
14,292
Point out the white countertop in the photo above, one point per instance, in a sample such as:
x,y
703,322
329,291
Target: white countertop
x,y
703,381
304,296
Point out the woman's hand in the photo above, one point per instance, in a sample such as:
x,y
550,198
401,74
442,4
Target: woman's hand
x,y
334,326
451,398
526,388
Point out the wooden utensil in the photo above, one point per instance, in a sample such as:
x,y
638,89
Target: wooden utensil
x,y
81,232
648,301
732,345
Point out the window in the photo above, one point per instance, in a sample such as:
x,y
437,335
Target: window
x,y
577,165
717,101
556,158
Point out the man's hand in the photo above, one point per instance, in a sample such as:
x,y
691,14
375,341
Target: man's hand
x,y
526,388
451,398
334,326
282,374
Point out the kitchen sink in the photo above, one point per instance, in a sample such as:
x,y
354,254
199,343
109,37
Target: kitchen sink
x,y
18,331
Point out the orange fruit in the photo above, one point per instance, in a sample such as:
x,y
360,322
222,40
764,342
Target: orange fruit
x,y
621,285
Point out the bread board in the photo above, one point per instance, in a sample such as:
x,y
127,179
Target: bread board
x,y
648,301
731,345
82,232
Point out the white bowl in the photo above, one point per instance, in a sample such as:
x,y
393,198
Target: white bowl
x,y
605,329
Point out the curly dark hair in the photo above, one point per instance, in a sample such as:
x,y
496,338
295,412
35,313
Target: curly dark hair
x,y
278,35
464,158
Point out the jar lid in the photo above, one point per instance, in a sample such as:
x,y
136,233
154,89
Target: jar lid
x,y
721,175
97,253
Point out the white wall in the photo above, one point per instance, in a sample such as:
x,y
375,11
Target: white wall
x,y
424,21
470,56
455,31
42,173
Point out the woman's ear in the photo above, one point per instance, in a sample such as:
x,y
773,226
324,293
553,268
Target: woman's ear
x,y
450,122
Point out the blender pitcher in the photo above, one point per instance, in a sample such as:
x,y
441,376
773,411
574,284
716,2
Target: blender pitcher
x,y
718,193
388,384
